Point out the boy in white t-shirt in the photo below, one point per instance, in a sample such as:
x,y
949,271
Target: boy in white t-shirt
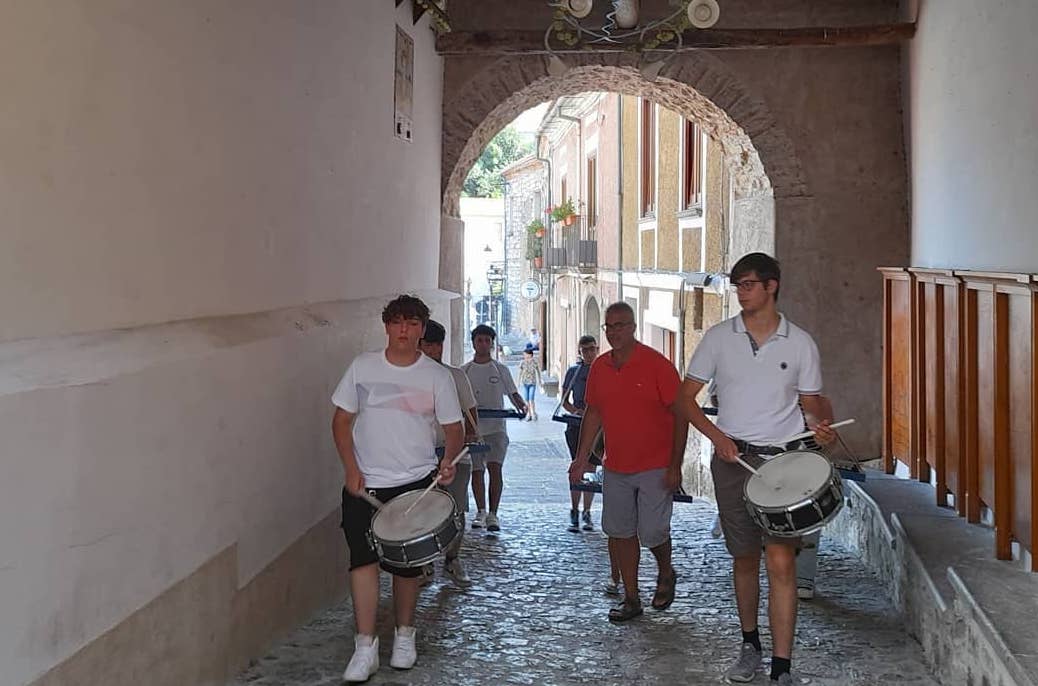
x,y
491,382
387,407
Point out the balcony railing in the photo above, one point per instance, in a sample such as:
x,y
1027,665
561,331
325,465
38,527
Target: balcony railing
x,y
572,247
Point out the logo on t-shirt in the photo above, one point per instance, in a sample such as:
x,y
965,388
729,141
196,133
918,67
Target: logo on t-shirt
x,y
495,379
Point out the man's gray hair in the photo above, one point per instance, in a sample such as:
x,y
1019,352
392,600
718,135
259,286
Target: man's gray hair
x,y
620,306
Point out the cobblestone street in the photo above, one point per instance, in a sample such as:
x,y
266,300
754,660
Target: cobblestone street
x,y
536,613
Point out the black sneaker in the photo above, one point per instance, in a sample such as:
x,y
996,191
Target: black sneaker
x,y
574,521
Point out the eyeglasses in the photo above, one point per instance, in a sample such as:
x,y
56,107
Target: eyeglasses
x,y
746,285
616,326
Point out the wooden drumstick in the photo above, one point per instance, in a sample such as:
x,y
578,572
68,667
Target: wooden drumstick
x,y
808,434
756,473
371,500
457,458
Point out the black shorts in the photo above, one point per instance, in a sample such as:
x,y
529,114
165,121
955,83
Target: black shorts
x,y
573,439
356,525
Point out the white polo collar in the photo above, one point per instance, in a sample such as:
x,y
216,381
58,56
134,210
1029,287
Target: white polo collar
x,y
739,326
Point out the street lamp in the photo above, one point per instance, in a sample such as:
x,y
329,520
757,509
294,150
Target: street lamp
x,y
496,281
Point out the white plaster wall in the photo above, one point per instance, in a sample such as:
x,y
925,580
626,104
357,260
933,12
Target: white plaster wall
x,y
116,486
166,160
973,98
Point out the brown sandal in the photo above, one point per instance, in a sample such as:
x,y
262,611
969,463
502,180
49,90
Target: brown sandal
x,y
664,595
628,608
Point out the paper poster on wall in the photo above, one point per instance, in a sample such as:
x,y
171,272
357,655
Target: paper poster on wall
x,y
403,86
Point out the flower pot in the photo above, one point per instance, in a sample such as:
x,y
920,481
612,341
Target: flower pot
x,y
568,221
539,233
538,262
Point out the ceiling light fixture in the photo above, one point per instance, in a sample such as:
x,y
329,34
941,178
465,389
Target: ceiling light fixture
x,y
623,31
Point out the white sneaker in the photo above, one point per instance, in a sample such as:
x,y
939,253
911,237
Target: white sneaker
x,y
404,651
480,520
456,571
492,523
364,662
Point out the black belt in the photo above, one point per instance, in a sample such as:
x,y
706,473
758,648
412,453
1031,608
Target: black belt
x,y
749,448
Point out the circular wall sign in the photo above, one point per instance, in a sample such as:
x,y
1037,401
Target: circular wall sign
x,y
531,290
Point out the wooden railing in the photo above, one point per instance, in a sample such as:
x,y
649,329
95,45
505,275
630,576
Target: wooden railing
x,y
960,393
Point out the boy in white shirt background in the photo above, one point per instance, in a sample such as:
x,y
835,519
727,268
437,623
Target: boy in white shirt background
x,y
491,383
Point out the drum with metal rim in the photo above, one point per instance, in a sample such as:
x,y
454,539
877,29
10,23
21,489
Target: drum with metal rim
x,y
797,493
420,536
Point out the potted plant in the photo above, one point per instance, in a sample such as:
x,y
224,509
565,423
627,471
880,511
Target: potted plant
x,y
565,212
535,243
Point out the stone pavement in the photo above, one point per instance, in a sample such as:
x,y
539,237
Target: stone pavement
x,y
536,613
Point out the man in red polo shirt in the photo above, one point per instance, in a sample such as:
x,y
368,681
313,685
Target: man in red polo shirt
x,y
631,394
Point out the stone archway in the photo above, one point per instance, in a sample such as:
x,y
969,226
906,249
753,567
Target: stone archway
x,y
482,97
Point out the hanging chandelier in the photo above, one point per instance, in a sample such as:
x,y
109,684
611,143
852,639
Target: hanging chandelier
x,y
624,30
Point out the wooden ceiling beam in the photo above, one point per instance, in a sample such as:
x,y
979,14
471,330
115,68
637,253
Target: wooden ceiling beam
x,y
532,42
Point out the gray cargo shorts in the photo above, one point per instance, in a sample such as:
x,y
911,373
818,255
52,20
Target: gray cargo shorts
x,y
498,444
637,504
742,536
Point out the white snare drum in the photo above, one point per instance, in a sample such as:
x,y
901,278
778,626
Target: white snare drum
x,y
797,494
419,537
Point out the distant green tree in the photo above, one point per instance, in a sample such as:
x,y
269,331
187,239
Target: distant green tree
x,y
484,179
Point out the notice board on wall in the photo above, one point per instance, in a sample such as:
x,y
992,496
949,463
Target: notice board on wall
x,y
403,86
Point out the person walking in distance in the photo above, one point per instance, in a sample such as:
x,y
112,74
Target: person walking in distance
x,y
386,407
765,369
492,383
530,379
631,395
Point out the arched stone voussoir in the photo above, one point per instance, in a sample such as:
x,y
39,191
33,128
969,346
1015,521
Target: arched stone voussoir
x,y
760,155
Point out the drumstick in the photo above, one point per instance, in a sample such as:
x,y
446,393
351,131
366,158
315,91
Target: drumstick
x,y
808,434
756,473
371,500
457,458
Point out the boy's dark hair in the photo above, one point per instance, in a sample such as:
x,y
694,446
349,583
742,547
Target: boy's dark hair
x,y
434,332
766,267
406,306
586,340
484,330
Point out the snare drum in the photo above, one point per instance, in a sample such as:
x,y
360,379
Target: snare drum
x,y
797,494
421,536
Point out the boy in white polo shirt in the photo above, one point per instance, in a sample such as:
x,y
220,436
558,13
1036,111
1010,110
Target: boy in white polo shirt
x,y
765,369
